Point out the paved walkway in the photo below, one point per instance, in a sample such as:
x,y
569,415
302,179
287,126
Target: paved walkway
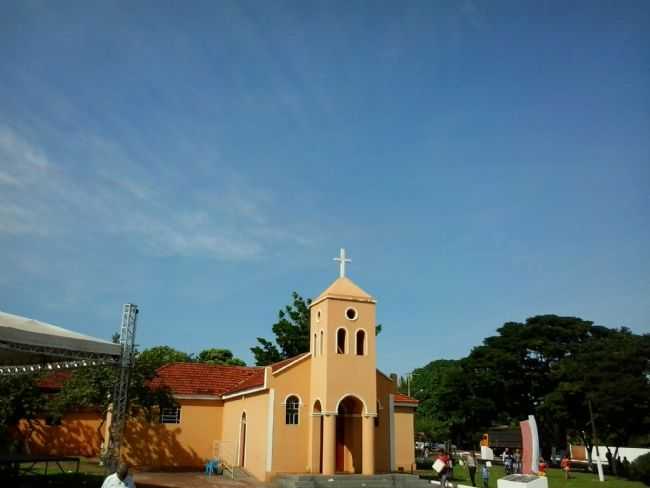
x,y
189,480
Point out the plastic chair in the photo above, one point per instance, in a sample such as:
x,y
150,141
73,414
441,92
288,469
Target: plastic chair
x,y
211,467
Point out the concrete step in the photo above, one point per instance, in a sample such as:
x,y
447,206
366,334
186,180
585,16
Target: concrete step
x,y
351,481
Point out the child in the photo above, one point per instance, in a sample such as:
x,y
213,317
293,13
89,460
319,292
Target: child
x,y
485,474
565,464
508,463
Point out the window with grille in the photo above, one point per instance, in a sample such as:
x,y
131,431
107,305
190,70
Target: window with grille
x,y
291,407
170,415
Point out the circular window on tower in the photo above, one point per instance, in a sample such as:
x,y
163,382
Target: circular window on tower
x,y
351,313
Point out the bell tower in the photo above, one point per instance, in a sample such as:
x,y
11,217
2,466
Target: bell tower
x,y
343,371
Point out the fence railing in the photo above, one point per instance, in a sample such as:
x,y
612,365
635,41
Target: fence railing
x,y
226,453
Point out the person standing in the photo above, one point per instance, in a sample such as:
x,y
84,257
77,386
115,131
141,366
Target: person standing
x,y
619,465
485,474
508,462
626,466
565,464
119,479
517,457
610,461
471,466
443,459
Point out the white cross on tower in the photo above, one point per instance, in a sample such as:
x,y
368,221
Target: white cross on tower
x,y
342,260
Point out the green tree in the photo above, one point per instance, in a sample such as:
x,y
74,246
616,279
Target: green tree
x,y
266,352
449,409
20,398
94,387
219,356
549,366
157,356
291,334
514,370
611,372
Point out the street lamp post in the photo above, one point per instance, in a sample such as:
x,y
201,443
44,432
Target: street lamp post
x,y
599,465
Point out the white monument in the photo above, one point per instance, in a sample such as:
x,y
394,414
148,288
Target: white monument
x,y
529,460
522,481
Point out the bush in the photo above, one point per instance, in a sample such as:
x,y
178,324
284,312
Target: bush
x,y
640,469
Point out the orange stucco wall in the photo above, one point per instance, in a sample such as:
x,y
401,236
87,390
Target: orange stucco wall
x,y
404,438
385,386
255,406
295,448
77,435
187,444
270,445
330,378
291,442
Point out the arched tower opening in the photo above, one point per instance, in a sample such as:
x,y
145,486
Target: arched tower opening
x,y
349,435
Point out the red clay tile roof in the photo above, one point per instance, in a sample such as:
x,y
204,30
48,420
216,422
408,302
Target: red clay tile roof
x,y
400,398
257,380
254,381
193,378
284,362
202,379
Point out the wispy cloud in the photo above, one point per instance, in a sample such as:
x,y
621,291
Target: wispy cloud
x,y
45,196
15,220
7,179
15,147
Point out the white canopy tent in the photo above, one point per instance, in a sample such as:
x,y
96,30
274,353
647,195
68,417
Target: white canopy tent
x,y
30,345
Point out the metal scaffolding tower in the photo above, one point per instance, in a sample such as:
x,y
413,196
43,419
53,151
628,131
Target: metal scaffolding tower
x,y
121,392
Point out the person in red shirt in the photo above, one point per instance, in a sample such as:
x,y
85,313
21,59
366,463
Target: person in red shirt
x,y
542,467
445,472
565,464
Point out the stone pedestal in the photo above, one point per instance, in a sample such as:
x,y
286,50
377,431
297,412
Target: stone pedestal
x,y
522,481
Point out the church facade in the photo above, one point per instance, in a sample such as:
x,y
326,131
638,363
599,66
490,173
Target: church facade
x,y
326,411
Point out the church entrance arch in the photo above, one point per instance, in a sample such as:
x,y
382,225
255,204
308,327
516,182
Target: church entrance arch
x,y
317,438
348,435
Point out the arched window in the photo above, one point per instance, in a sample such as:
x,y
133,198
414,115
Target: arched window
x,y
361,342
315,344
340,340
320,350
291,408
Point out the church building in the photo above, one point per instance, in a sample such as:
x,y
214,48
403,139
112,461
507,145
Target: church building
x,y
329,410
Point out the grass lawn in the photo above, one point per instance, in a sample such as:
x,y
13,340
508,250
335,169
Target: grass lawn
x,y
86,466
555,478
91,475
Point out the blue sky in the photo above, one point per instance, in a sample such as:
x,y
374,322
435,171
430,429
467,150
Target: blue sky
x,y
481,161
